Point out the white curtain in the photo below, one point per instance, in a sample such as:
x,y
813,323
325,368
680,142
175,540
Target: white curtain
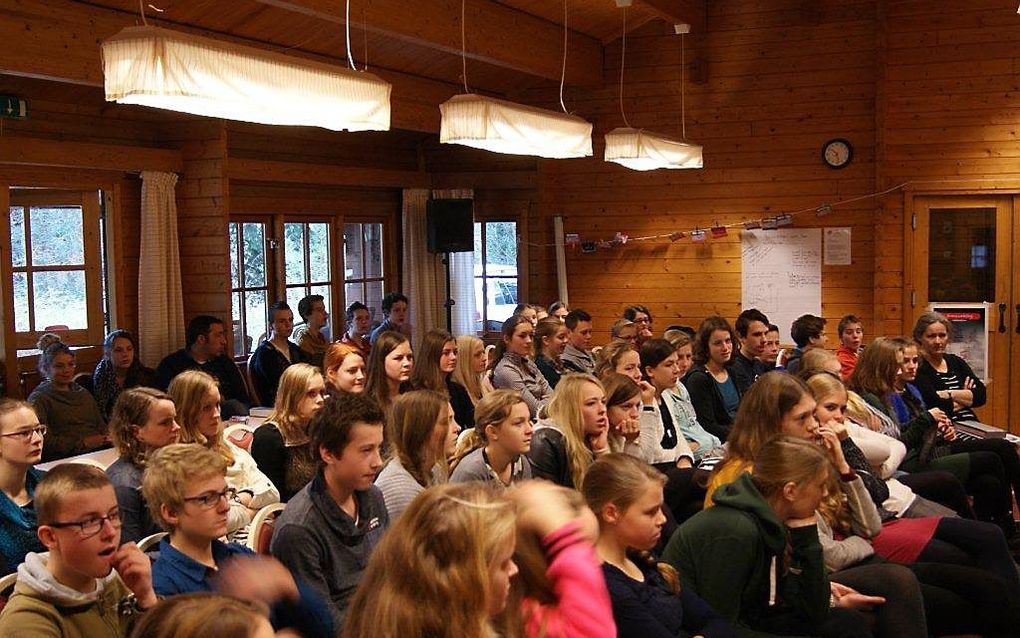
x,y
462,276
160,300
424,278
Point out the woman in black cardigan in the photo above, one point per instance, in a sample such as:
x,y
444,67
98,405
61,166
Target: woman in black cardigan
x,y
714,392
946,381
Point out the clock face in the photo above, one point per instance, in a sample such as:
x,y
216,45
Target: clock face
x,y
837,153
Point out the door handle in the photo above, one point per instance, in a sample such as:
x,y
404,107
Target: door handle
x,y
1002,317
1017,324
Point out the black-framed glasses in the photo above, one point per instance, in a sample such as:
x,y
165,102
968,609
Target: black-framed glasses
x,y
92,526
210,499
26,434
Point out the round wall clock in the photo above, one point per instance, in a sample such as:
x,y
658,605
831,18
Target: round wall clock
x,y
837,153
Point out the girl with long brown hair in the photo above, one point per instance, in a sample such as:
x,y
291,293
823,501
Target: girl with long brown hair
x,y
389,368
513,370
422,434
434,366
626,496
551,338
714,392
495,450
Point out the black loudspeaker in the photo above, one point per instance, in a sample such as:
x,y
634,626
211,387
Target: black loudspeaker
x,y
450,225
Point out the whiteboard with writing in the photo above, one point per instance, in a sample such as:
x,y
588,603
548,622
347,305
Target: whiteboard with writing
x,y
781,274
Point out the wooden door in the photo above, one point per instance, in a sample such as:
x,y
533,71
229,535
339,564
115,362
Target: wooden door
x,y
960,249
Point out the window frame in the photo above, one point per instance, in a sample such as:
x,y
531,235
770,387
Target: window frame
x,y
94,219
521,261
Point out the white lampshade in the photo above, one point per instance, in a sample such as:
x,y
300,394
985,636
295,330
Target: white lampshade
x,y
180,72
640,150
506,127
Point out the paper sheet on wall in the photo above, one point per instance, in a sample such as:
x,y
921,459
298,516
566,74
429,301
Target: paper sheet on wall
x,y
781,274
837,246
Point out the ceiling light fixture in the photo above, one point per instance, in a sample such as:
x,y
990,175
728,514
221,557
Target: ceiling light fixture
x,y
641,150
502,126
167,69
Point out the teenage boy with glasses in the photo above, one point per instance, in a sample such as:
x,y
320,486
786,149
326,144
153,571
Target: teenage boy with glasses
x,y
87,586
185,486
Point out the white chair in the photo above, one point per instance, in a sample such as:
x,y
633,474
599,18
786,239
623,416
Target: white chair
x,y
260,532
150,541
7,584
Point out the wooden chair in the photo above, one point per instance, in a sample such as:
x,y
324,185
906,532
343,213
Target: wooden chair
x,y
260,532
150,541
241,435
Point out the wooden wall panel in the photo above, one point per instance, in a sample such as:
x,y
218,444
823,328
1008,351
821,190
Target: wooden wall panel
x,y
948,111
782,79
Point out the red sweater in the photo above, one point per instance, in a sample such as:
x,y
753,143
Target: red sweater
x,y
847,361
584,609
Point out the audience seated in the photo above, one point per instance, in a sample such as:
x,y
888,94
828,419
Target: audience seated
x,y
433,370
577,355
575,432
21,446
422,434
624,330
819,359
205,615
642,318
944,379
186,487
755,557
495,449
752,329
329,529
389,368
454,548
626,496
550,340
280,445
273,355
527,311
540,312
85,587
309,336
359,323
514,371
205,350
344,368
851,343
559,310
70,413
394,309
143,421
198,412
714,392
472,368
119,370
619,357
768,356
807,331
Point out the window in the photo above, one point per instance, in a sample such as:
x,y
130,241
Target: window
x,y
249,284
363,267
495,273
57,265
306,262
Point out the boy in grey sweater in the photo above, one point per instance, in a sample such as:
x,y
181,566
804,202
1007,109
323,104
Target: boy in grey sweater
x,y
329,529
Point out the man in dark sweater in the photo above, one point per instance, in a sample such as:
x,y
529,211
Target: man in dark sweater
x,y
329,529
807,331
205,347
752,327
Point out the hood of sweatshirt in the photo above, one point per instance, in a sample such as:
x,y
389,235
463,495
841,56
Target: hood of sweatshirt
x,y
34,573
742,494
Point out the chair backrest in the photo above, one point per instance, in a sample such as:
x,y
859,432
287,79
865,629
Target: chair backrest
x,y
84,379
7,588
260,533
241,435
150,541
256,399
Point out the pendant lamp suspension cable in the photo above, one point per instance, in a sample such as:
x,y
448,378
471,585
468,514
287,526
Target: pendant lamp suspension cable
x,y
463,45
563,71
141,10
364,22
347,25
683,84
623,59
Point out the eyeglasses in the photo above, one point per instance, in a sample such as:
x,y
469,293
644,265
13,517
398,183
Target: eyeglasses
x,y
92,526
26,435
210,499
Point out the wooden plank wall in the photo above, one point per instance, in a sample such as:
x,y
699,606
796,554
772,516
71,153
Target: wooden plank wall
x,y
783,77
949,111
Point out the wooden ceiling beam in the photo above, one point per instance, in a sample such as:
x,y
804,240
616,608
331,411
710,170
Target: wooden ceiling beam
x,y
29,151
59,40
691,12
496,34
323,175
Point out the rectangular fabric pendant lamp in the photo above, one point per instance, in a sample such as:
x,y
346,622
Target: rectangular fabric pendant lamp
x,y
177,71
640,150
506,127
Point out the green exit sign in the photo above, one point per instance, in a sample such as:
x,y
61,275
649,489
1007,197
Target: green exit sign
x,y
13,107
